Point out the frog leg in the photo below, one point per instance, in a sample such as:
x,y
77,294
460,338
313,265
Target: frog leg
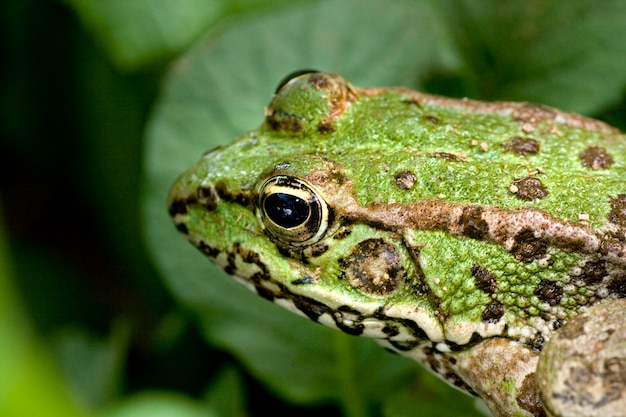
x,y
582,369
502,373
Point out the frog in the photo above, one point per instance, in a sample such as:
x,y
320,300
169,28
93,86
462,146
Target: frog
x,y
459,233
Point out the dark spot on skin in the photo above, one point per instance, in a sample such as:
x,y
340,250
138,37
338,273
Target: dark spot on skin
x,y
349,321
474,340
522,146
179,206
431,119
485,280
230,267
528,398
474,226
450,157
493,312
549,292
414,330
325,127
318,250
208,250
527,247
404,346
617,215
250,257
391,330
614,381
374,267
609,246
243,198
530,189
208,198
303,281
311,308
616,235
279,121
596,157
617,286
405,180
592,273
342,233
557,324
182,227
538,342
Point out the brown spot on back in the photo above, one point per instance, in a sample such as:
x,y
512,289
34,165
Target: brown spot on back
x,y
325,127
405,180
493,312
617,215
528,398
374,267
474,226
549,292
485,280
522,146
527,247
592,273
596,157
530,189
445,156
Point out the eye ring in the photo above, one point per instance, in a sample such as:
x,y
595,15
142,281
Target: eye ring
x,y
292,211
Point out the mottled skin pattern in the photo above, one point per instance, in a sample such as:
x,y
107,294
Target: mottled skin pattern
x,y
459,233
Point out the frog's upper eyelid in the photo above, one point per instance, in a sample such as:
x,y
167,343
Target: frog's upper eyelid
x,y
293,75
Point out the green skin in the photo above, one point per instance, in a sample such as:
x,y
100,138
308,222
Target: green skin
x,y
459,233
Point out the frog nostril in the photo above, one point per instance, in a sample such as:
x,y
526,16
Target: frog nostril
x,y
293,75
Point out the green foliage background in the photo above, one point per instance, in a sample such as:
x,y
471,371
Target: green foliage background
x,y
104,309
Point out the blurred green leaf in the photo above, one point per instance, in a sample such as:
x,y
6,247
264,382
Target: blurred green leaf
x,y
159,404
226,394
143,32
403,404
570,55
94,367
30,383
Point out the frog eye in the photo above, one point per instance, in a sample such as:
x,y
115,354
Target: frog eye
x,y
292,76
292,211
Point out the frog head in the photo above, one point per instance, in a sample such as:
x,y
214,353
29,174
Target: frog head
x,y
277,209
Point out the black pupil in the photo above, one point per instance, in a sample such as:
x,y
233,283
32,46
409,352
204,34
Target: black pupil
x,y
286,210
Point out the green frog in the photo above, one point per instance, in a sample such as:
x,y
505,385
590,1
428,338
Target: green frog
x,y
462,234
